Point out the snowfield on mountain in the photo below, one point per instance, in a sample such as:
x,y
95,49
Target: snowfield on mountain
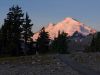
x,y
68,25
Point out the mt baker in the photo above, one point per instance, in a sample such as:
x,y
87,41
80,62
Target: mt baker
x,y
69,26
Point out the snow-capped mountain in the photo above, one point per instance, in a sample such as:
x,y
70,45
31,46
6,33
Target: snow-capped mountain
x,y
68,25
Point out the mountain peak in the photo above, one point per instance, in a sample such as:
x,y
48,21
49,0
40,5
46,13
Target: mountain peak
x,y
68,18
68,25
71,21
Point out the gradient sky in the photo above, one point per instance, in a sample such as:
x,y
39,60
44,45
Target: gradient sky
x,y
43,12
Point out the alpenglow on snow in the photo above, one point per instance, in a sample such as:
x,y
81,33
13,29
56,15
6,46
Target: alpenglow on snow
x,y
68,25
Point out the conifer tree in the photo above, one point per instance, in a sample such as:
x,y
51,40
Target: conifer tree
x,y
43,42
59,44
27,27
0,41
12,31
95,45
27,34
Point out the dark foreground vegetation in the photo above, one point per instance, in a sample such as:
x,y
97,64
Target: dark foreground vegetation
x,y
95,44
16,33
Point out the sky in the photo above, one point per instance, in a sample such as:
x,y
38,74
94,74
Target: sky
x,y
42,12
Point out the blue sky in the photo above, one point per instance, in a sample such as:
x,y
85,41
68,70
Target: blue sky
x,y
43,12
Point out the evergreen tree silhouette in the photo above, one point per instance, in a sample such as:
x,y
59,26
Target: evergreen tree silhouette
x,y
43,42
59,44
12,31
27,34
95,45
1,42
